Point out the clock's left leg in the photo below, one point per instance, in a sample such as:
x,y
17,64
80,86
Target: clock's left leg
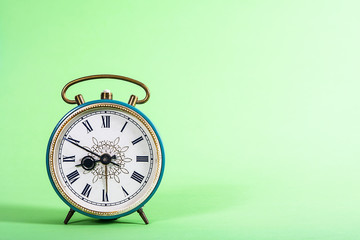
x,y
69,215
143,216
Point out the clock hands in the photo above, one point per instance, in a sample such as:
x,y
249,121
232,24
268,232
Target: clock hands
x,y
87,165
88,162
94,161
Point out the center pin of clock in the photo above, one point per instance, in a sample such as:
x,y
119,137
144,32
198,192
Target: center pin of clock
x,y
105,159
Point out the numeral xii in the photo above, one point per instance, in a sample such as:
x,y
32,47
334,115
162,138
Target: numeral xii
x,y
105,121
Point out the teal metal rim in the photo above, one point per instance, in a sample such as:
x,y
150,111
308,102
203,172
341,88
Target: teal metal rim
x,y
162,159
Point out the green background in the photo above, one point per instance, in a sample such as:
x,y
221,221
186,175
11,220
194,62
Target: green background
x,y
257,103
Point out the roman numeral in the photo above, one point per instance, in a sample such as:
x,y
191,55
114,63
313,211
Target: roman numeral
x,y
123,127
86,191
142,158
137,140
73,176
105,121
105,196
137,177
68,159
73,140
125,192
87,125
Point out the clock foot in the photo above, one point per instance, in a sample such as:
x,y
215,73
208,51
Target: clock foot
x,y
143,216
68,216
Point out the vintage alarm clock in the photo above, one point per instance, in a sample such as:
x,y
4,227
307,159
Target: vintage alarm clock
x,y
105,158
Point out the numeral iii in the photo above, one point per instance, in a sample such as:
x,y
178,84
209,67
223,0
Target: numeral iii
x,y
142,158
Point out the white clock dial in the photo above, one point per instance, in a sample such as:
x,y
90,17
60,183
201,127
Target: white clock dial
x,y
105,160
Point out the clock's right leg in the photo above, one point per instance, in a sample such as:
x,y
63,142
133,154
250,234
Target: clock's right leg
x,y
142,215
69,215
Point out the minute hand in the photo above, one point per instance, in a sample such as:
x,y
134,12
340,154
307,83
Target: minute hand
x,y
83,148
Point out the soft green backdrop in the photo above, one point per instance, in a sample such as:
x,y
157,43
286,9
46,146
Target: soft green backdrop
x,y
257,103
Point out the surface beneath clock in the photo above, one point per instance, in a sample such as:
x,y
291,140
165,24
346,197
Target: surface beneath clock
x,y
248,211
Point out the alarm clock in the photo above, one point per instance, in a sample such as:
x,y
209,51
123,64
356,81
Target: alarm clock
x,y
105,158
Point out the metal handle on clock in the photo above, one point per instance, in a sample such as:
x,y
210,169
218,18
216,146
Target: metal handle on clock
x,y
79,98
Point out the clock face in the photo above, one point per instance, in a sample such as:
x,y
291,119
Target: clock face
x,y
105,159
